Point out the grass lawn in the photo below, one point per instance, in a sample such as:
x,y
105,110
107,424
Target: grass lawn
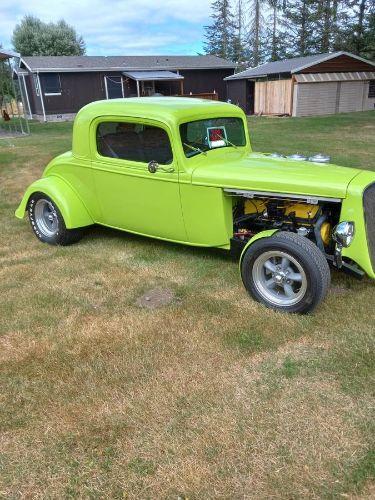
x,y
212,396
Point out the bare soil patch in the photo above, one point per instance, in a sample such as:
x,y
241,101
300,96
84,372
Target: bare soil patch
x,y
157,297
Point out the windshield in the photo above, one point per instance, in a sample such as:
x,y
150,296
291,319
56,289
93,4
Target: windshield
x,y
202,135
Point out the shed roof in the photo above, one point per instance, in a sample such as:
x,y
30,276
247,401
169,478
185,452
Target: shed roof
x,y
123,63
152,75
290,65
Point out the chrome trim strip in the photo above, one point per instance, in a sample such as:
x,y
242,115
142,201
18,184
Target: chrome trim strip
x,y
314,200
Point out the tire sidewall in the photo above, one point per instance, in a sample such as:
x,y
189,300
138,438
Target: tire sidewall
x,y
312,277
55,239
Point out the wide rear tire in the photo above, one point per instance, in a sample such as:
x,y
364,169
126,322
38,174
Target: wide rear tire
x,y
286,272
47,222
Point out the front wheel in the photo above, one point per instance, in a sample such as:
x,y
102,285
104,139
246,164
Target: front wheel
x,y
286,272
47,222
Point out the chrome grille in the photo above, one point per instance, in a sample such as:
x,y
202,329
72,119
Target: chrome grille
x,y
369,209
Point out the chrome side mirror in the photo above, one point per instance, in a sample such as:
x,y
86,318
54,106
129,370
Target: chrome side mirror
x,y
153,166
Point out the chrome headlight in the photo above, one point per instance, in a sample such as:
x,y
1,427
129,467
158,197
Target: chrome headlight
x,y
343,233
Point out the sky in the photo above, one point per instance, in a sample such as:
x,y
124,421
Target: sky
x,y
119,27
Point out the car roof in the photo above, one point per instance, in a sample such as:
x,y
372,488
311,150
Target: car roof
x,y
160,108
168,110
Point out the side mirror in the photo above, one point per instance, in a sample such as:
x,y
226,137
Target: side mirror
x,y
153,166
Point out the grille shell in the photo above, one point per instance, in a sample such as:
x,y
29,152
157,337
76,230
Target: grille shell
x,y
369,210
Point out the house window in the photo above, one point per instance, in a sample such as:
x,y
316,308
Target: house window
x,y
134,142
51,84
113,87
371,89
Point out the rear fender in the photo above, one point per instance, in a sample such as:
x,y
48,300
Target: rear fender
x,y
258,236
68,202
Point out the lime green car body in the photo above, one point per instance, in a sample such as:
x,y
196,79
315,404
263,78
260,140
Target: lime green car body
x,y
189,201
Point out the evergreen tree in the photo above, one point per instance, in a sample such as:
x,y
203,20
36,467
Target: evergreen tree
x,y
219,34
255,39
299,24
278,29
238,46
275,44
360,31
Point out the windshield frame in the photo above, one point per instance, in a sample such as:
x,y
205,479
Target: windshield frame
x,y
198,149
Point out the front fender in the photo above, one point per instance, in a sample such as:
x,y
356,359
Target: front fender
x,y
256,237
68,202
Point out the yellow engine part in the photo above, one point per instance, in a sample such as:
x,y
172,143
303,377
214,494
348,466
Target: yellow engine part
x,y
302,210
325,232
254,206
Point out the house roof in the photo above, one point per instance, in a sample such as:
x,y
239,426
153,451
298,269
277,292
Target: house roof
x,y
153,75
123,63
290,65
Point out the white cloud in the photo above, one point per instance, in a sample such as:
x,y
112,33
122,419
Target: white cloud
x,y
119,26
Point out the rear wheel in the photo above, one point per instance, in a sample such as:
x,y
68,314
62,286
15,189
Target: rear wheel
x,y
47,222
286,272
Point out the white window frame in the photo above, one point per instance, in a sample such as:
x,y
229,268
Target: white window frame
x,y
54,93
106,85
36,85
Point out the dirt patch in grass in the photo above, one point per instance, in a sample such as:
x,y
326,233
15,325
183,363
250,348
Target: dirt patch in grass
x,y
156,297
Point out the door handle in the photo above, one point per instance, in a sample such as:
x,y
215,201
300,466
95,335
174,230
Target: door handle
x,y
154,166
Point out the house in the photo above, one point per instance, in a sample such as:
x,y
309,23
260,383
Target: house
x,y
320,84
58,86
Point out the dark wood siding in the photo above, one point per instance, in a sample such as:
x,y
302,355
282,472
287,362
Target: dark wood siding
x,y
168,88
339,64
241,93
206,80
77,90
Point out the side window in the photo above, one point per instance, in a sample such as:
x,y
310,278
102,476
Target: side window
x,y
371,89
51,84
133,141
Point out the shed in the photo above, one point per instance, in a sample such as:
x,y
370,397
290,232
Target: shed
x,y
58,86
319,84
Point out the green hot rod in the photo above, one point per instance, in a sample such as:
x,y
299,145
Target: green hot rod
x,y
182,170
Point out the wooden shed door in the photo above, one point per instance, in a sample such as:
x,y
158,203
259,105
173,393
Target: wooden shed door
x,y
273,97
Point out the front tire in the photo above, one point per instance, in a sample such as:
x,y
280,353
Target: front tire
x,y
286,272
47,222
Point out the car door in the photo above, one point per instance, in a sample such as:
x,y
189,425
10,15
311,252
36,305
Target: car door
x,y
130,196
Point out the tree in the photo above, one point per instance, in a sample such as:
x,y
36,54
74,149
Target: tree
x,y
255,32
299,24
369,37
275,47
6,86
360,32
33,37
219,35
238,48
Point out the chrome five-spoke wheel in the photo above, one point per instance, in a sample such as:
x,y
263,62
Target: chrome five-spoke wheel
x,y
279,278
46,218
